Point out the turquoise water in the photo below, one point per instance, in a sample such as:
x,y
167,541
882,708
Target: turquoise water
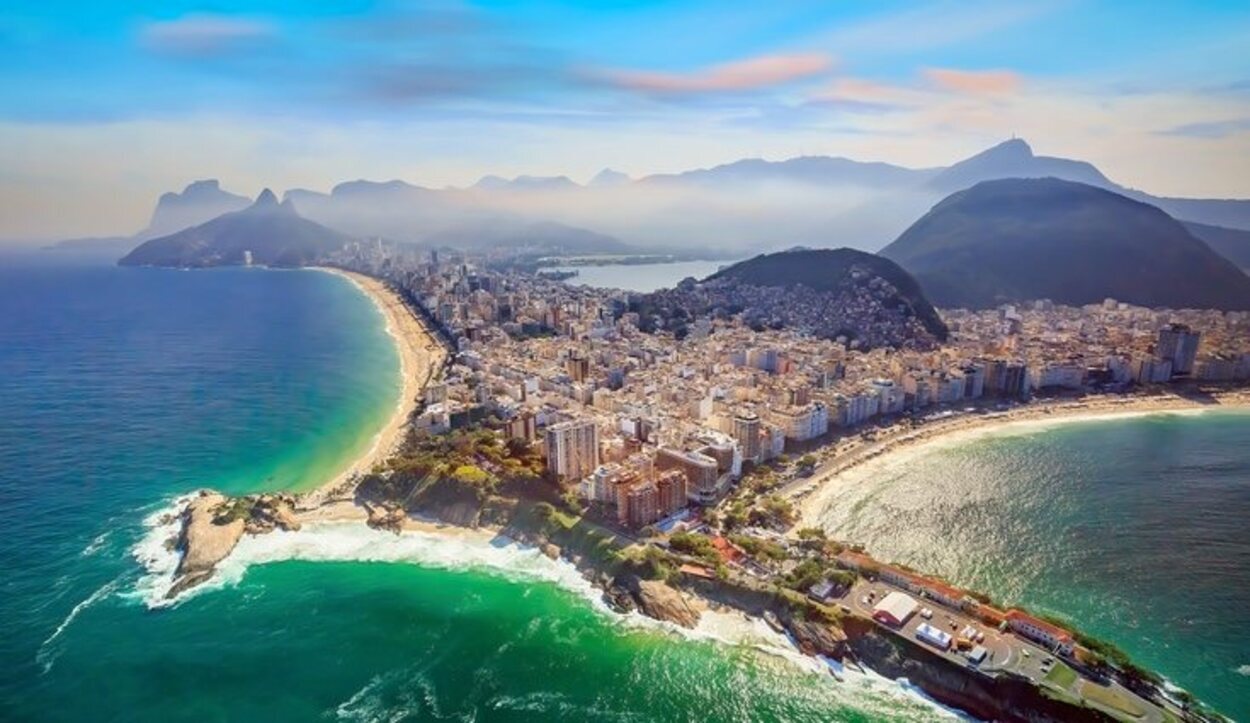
x,y
1135,528
121,389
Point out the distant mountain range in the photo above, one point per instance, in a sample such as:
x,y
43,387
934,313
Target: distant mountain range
x,y
1018,239
199,202
272,232
740,208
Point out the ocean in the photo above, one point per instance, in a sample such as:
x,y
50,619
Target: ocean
x,y
123,389
1134,528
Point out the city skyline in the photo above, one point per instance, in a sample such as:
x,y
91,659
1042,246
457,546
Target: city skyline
x,y
108,106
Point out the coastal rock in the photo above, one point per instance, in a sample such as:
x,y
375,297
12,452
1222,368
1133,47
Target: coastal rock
x,y
655,599
270,512
818,638
206,540
551,551
383,517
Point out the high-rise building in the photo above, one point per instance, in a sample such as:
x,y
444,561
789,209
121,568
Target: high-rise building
x,y
638,503
672,488
700,470
572,449
746,430
578,367
1178,344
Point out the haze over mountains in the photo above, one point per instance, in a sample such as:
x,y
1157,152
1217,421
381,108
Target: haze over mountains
x,y
962,249
271,232
745,207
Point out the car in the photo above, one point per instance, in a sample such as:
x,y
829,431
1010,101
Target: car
x,y
1048,660
863,600
927,614
1026,652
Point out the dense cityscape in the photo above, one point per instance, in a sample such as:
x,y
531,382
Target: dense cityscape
x,y
569,368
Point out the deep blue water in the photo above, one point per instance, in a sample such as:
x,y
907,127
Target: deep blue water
x,y
121,389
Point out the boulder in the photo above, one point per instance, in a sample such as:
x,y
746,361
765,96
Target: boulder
x,y
655,599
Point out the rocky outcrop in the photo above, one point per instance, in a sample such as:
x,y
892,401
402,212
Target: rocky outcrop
x,y
815,638
653,598
386,517
271,512
206,540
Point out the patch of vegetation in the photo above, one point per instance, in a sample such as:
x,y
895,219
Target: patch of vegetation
x,y
758,548
695,545
235,508
774,511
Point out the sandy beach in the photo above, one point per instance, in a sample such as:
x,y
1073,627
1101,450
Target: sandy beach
x,y
857,456
421,357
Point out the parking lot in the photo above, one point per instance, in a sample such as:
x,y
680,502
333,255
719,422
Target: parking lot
x,y
1004,651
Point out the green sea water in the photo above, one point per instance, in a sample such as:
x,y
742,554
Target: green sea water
x,y
122,389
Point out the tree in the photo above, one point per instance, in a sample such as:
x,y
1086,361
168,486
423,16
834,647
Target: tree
x,y
807,461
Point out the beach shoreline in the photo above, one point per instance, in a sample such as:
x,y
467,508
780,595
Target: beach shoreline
x,y
421,356
894,445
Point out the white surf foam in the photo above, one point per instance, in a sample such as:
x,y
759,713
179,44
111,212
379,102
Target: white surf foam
x,y
461,550
48,650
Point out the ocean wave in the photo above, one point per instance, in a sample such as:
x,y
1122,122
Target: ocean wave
x,y
48,650
96,544
155,552
1243,670
462,551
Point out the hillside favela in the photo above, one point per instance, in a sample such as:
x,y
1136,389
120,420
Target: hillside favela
x,y
682,361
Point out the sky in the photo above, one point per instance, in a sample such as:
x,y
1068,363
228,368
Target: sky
x,y
105,105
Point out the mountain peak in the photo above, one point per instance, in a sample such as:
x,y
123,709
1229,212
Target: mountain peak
x,y
266,199
205,186
609,177
1012,151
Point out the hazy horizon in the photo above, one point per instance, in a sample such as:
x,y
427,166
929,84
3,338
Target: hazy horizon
x,y
107,106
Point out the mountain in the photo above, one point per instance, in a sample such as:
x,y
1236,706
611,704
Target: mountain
x,y
525,183
1017,239
1015,159
273,232
198,202
608,178
835,271
810,170
1233,244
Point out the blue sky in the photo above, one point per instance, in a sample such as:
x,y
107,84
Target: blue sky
x,y
105,104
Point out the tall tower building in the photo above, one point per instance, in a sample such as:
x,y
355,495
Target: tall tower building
x,y
746,430
1179,344
572,449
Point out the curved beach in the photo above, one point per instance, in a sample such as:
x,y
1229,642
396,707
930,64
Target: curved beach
x,y
420,358
896,445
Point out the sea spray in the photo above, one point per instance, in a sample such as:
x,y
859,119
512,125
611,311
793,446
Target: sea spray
x,y
48,650
459,549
